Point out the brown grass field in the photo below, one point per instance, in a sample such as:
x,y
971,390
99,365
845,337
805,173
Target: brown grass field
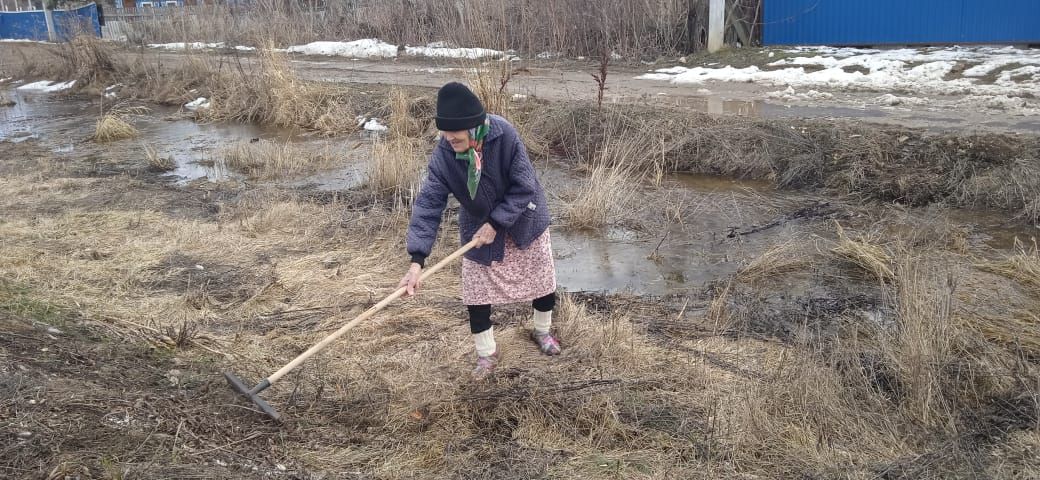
x,y
874,336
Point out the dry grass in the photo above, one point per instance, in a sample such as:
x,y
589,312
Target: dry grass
x,y
865,254
158,162
112,127
607,195
921,346
274,95
399,157
783,258
1022,267
397,165
889,164
268,159
1019,330
528,25
603,198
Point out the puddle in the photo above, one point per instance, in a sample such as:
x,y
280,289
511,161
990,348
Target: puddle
x,y
680,258
587,262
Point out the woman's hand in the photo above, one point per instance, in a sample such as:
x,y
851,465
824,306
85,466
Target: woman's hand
x,y
411,280
485,236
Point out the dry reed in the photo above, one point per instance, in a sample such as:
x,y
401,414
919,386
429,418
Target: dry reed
x,y
158,162
112,127
274,95
1022,267
865,254
269,159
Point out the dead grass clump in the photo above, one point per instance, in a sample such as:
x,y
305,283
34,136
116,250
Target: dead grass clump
x,y
112,127
782,258
921,347
409,118
266,159
174,84
865,254
1018,331
158,162
397,165
1022,267
603,197
84,58
274,95
606,196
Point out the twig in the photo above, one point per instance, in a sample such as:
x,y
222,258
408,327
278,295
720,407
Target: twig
x,y
250,437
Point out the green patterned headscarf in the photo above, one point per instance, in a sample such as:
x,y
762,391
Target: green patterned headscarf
x,y
475,156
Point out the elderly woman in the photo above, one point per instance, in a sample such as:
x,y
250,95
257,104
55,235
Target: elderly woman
x,y
481,161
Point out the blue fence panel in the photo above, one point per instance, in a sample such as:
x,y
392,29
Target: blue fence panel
x,y
33,25
1002,21
881,22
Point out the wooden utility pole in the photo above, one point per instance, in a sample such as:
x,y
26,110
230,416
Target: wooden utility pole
x,y
48,15
716,24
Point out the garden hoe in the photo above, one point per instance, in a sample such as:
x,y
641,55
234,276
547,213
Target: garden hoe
x,y
253,393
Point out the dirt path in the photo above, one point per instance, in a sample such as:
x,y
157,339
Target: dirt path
x,y
569,80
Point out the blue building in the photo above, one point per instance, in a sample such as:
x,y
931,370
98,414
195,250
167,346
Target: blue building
x,y
900,22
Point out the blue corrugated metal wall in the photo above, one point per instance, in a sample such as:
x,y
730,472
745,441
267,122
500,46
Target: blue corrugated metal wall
x,y
33,26
887,22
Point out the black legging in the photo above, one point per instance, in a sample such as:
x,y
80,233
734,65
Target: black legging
x,y
480,315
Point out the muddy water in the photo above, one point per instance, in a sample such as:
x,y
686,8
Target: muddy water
x,y
659,258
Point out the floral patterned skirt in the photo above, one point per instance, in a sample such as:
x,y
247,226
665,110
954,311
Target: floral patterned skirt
x,y
521,276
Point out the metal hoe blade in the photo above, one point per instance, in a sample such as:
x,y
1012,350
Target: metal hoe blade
x,y
251,393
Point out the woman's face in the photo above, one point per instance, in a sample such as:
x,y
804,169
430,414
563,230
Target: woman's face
x,y
459,140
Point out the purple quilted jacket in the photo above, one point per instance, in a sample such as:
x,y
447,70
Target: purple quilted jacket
x,y
509,197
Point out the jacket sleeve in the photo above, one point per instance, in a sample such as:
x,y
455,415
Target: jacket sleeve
x,y
427,212
522,192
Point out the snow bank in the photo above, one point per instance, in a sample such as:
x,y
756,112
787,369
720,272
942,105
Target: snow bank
x,y
198,46
185,46
930,71
441,50
367,48
47,86
790,94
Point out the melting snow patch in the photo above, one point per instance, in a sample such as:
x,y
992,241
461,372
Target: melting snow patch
x,y
186,46
892,100
373,125
931,70
790,94
367,48
197,104
47,86
440,50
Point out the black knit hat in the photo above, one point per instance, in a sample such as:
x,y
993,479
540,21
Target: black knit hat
x,y
458,108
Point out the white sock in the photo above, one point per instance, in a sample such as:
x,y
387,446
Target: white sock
x,y
485,342
542,321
